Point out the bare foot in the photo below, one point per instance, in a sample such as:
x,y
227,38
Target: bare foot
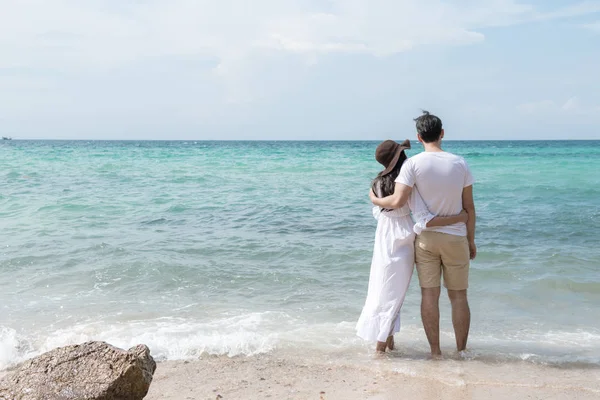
x,y
380,348
390,342
436,356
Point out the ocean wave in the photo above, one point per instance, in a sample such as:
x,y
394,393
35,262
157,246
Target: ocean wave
x,y
259,333
180,339
569,285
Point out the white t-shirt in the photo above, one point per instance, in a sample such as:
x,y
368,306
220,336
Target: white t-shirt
x,y
440,178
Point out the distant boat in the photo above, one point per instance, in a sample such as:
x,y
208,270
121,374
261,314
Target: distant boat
x,y
6,138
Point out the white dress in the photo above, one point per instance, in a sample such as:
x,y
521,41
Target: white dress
x,y
391,268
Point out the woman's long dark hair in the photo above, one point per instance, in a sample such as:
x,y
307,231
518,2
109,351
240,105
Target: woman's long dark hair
x,y
387,182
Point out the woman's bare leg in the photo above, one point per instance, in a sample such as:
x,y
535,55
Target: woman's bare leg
x,y
380,348
390,342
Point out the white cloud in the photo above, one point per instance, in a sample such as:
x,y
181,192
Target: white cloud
x,y
594,26
572,106
231,60
98,34
95,35
543,106
574,10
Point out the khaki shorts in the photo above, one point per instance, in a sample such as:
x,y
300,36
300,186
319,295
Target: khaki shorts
x,y
440,253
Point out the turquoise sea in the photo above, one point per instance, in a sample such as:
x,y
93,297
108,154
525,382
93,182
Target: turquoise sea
x,y
242,248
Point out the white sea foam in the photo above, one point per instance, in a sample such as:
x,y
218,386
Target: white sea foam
x,y
177,339
9,347
256,333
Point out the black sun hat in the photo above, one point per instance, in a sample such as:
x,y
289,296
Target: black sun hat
x,y
388,154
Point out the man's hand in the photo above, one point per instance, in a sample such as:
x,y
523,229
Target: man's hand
x,y
472,250
393,201
372,196
469,206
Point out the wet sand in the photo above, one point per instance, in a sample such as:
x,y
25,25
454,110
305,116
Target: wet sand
x,y
270,377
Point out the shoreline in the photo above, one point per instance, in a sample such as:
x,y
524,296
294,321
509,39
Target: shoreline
x,y
272,376
327,376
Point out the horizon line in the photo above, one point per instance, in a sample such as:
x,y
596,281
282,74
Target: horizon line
x,y
282,140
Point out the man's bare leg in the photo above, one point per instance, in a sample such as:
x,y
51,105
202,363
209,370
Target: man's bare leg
x,y
430,315
461,317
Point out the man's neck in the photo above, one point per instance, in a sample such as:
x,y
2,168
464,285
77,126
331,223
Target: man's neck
x,y
434,147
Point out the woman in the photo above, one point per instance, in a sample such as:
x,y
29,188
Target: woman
x,y
393,253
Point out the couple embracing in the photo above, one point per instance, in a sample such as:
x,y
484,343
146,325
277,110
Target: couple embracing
x,y
436,188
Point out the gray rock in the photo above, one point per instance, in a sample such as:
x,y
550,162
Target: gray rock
x,y
91,371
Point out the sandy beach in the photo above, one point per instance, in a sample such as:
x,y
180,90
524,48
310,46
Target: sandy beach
x,y
270,377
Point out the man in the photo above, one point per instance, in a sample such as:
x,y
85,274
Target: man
x,y
446,185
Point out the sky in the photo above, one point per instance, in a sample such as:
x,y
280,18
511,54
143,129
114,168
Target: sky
x,y
298,69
